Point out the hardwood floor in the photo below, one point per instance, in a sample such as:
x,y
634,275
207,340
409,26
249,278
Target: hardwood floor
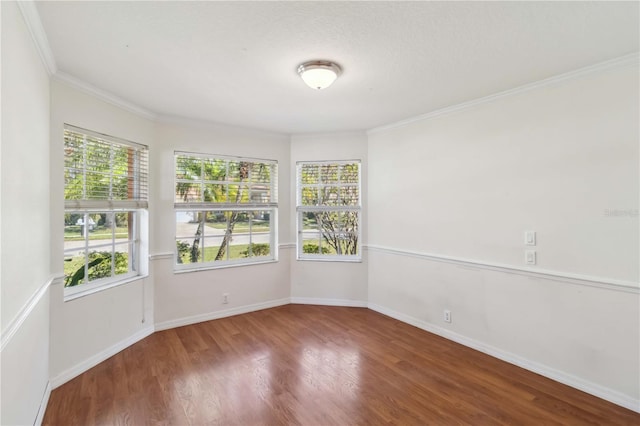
x,y
316,365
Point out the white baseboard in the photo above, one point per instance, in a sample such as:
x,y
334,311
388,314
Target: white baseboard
x,y
96,359
43,405
546,371
166,325
328,302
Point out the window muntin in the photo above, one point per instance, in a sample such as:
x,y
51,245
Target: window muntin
x,y
328,209
99,246
225,210
105,192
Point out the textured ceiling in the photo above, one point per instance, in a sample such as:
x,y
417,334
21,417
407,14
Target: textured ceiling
x,y
235,62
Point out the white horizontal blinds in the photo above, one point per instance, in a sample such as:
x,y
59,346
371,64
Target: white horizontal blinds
x,y
329,185
328,209
101,171
208,181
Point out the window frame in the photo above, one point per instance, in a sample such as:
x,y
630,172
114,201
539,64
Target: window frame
x,y
301,209
136,205
270,206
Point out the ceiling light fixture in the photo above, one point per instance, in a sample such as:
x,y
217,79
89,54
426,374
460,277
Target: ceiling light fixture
x,y
319,74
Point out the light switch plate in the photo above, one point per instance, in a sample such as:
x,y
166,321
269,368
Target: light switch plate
x,y
530,238
530,257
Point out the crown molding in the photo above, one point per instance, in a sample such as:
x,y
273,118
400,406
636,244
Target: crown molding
x,y
622,61
34,24
39,36
103,95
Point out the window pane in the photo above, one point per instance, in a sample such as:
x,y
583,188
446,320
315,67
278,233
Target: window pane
x,y
309,174
215,193
329,195
349,173
99,263
122,259
101,227
225,235
260,234
215,169
238,246
348,222
261,222
328,244
260,173
188,168
188,192
216,222
101,168
73,229
309,196
98,155
349,196
73,166
97,186
309,221
329,173
238,194
215,248
185,253
123,222
74,269
120,188
260,194
311,244
238,171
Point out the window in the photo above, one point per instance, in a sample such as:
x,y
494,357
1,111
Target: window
x,y
328,210
105,192
226,210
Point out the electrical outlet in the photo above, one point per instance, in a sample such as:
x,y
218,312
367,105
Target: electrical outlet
x,y
447,315
225,298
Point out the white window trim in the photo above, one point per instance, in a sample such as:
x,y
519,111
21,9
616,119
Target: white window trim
x,y
300,209
137,207
271,206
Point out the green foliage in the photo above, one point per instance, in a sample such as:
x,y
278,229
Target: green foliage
x,y
99,265
314,249
183,250
107,164
202,179
256,249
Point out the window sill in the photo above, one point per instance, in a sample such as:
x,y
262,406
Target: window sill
x,y
224,266
330,259
82,292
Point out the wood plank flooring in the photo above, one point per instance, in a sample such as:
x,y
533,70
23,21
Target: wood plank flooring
x,y
316,365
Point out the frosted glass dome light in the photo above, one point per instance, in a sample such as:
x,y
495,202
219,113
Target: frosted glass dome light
x,y
319,74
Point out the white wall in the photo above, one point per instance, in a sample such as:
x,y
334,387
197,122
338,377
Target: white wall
x,y
194,296
82,329
466,185
445,200
25,222
329,281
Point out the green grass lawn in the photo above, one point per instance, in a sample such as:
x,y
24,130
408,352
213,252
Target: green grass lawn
x,y
240,227
72,233
72,265
235,252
